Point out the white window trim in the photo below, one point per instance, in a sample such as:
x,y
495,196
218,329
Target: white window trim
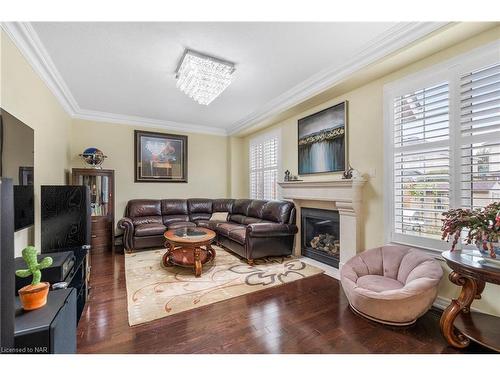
x,y
449,71
259,139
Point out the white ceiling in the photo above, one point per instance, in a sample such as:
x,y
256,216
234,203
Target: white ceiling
x,y
126,70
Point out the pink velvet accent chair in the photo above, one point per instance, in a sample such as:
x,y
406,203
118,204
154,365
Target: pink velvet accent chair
x,y
393,285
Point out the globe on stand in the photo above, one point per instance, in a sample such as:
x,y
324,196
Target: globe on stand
x,y
93,157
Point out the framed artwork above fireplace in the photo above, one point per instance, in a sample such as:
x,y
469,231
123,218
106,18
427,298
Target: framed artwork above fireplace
x,y
322,141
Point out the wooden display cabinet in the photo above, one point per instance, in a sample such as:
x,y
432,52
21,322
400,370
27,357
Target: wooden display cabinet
x,y
102,191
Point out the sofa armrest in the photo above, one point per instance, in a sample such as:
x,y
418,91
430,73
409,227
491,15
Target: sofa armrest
x,y
271,230
127,226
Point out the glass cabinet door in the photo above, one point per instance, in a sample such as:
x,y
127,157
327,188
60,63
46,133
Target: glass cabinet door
x,y
99,193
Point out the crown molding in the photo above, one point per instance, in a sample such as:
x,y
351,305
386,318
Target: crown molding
x,y
24,36
395,38
147,122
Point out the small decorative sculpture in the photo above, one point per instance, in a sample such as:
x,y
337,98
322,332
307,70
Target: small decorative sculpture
x,y
287,175
93,157
351,173
347,175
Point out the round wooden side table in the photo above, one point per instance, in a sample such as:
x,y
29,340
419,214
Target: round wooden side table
x,y
458,324
189,247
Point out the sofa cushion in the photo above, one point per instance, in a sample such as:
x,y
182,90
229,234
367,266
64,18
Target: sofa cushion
x,y
378,283
222,205
199,205
138,220
226,228
199,216
251,220
174,207
277,211
205,224
169,219
255,208
143,207
238,235
240,219
210,224
181,224
240,206
153,229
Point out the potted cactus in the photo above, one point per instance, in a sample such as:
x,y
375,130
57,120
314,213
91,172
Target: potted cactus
x,y
34,296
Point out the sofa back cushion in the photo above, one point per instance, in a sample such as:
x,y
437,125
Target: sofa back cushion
x,y
277,211
143,207
240,206
174,210
199,209
240,210
144,211
174,207
255,208
222,205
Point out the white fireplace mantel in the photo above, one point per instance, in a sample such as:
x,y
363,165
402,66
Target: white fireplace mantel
x,y
346,196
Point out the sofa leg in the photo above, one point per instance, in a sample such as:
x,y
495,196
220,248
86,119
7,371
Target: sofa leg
x,y
250,262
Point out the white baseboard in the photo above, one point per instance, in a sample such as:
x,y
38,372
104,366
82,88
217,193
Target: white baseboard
x,y
329,270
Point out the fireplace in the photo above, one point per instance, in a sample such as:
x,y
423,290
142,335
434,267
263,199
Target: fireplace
x,y
320,234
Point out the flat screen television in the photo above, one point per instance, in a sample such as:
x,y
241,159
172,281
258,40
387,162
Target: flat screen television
x,y
16,163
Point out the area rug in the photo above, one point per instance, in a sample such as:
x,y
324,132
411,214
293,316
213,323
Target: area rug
x,y
154,292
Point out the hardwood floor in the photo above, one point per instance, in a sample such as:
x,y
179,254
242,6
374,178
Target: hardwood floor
x,y
307,316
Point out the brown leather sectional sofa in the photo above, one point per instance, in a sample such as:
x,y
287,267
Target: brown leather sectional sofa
x,y
254,228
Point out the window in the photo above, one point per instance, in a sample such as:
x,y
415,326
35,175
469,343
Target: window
x,y
480,142
421,160
264,165
442,145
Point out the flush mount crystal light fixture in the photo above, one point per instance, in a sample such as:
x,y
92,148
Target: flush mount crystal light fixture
x,y
203,77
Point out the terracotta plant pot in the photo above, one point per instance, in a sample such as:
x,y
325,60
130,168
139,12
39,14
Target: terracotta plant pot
x,y
34,296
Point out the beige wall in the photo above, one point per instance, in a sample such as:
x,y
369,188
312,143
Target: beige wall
x,y
366,151
25,96
207,163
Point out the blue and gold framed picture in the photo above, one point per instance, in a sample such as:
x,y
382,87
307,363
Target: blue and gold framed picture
x,y
322,141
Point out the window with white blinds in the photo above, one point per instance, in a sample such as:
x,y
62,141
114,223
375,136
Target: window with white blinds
x,y
264,166
442,145
421,160
480,138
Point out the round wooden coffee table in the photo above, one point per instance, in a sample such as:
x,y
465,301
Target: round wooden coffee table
x,y
189,247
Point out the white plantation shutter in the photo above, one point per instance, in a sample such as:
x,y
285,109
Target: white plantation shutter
x,y
442,145
421,163
264,166
480,136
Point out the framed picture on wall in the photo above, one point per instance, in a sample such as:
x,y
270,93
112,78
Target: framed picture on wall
x,y
322,141
25,176
160,157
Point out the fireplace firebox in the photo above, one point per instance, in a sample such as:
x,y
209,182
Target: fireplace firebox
x,y
320,234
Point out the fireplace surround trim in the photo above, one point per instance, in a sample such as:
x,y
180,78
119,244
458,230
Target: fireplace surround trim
x,y
346,196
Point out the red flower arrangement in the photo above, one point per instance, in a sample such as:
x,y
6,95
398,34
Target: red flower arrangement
x,y
483,225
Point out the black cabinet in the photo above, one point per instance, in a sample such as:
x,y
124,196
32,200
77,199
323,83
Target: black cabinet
x,y
50,329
